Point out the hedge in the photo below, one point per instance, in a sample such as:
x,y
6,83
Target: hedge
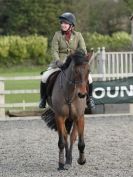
x,y
34,48
17,50
119,41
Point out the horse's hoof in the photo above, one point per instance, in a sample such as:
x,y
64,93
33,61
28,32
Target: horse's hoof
x,y
81,162
67,166
61,167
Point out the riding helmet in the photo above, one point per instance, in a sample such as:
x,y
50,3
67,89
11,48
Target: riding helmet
x,y
68,17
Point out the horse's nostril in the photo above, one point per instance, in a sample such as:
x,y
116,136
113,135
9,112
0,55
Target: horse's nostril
x,y
80,95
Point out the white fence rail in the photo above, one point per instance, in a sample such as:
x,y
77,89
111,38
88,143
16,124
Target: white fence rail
x,y
4,92
107,65
112,64
121,62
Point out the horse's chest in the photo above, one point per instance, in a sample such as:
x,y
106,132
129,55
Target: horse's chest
x,y
77,109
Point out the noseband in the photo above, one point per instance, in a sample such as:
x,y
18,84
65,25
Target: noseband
x,y
72,82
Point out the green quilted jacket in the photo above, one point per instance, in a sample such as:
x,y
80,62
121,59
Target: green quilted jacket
x,y
61,48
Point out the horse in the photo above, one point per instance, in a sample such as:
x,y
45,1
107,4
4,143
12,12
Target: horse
x,y
67,106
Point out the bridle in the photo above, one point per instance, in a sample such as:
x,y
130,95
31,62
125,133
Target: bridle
x,y
71,82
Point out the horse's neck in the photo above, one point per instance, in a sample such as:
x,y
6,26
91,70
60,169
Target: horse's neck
x,y
68,86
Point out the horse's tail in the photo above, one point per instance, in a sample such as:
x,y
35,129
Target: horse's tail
x,y
49,117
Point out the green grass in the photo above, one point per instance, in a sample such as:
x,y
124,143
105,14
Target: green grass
x,y
22,85
21,71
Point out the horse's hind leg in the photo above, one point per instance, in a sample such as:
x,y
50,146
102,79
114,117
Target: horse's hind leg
x,y
81,143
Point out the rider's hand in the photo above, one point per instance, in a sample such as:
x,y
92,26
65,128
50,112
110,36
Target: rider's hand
x,y
59,63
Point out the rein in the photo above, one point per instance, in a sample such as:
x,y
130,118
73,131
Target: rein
x,y
68,99
70,82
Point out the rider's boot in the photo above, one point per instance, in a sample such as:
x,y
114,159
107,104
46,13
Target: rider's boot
x,y
42,103
90,102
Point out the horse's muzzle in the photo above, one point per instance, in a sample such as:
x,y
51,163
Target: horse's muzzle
x,y
81,95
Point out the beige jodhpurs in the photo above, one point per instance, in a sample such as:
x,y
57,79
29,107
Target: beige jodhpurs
x,y
47,73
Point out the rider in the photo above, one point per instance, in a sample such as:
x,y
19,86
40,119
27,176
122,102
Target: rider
x,y
65,42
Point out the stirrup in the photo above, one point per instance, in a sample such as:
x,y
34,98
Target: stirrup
x,y
91,103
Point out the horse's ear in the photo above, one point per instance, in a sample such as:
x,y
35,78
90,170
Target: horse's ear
x,y
89,55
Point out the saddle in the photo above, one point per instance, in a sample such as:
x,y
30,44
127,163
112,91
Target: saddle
x,y
50,83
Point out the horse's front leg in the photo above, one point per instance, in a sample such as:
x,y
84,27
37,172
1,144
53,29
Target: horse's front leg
x,y
61,143
81,143
73,137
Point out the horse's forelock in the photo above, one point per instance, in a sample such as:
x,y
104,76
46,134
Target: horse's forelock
x,y
80,59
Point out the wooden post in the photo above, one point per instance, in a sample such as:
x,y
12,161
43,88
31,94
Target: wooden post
x,y
103,67
98,62
132,32
2,99
131,18
131,108
101,62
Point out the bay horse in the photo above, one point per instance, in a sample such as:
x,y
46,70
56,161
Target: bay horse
x,y
67,102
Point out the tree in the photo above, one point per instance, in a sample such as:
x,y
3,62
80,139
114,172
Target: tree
x,y
24,17
108,16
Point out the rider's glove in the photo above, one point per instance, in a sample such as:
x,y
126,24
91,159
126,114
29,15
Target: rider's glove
x,y
59,63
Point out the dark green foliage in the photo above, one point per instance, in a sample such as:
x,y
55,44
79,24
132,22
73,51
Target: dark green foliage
x,y
24,17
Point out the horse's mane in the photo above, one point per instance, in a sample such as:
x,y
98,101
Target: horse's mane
x,y
79,57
